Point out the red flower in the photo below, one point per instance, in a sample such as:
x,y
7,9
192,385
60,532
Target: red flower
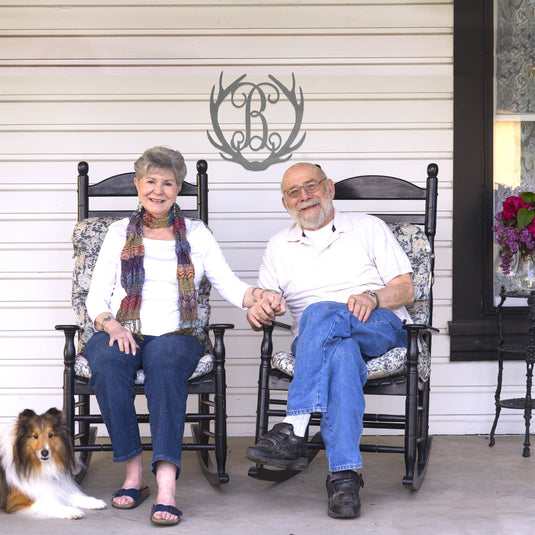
x,y
511,205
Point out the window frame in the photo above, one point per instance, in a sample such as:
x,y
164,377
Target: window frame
x,y
473,332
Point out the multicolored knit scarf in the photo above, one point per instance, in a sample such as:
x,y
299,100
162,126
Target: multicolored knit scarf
x,y
133,272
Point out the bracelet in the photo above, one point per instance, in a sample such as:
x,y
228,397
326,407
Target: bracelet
x,y
105,319
374,295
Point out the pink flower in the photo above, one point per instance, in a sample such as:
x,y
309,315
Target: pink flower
x,y
515,233
511,205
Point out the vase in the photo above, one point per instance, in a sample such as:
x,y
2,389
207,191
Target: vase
x,y
523,272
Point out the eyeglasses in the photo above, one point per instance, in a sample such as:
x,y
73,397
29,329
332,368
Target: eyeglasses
x,y
310,187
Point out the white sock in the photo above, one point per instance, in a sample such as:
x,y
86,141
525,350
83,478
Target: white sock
x,y
300,423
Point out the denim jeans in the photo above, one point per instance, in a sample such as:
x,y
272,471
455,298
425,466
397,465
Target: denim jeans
x,y
167,361
330,372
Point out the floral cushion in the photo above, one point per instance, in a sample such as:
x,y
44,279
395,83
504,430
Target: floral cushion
x,y
87,238
83,370
416,246
393,362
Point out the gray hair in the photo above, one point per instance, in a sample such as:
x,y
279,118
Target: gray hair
x,y
161,158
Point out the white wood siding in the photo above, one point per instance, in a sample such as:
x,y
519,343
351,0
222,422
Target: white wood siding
x,y
103,81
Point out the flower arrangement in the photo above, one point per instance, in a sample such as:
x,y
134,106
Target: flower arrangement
x,y
515,229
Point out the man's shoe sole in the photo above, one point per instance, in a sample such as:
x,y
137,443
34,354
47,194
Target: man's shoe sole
x,y
343,514
259,456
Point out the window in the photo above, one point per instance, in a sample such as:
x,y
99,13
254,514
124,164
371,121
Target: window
x,y
473,327
514,108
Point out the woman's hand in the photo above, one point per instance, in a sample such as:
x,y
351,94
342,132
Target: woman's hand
x,y
121,335
117,333
264,310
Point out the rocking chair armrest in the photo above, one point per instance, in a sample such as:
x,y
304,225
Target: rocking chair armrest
x,y
219,345
69,351
268,329
281,325
420,327
67,327
220,326
416,334
267,340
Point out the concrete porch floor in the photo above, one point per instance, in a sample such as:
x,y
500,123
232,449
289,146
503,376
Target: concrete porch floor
x,y
469,489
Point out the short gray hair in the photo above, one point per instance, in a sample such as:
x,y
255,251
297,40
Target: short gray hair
x,y
161,158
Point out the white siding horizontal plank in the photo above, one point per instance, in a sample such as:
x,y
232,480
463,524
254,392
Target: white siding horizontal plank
x,y
34,316
473,374
235,3
402,139
41,287
20,258
56,228
31,345
290,16
102,84
138,48
344,109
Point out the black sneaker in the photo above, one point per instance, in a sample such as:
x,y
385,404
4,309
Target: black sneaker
x,y
280,447
343,493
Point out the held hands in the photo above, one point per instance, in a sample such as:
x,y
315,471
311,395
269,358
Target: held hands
x,y
267,304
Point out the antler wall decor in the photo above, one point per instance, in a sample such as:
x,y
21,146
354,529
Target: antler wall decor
x,y
255,101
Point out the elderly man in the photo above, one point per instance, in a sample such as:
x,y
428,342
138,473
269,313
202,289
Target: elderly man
x,y
346,282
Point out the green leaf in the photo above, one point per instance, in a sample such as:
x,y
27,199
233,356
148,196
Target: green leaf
x,y
525,217
528,197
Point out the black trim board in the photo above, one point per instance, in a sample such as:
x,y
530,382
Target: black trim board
x,y
473,332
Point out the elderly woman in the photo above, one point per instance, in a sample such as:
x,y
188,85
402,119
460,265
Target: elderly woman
x,y
143,302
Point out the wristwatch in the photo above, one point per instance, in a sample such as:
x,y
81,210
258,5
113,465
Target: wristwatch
x,y
374,295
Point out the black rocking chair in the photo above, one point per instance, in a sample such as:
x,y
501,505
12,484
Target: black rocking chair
x,y
400,372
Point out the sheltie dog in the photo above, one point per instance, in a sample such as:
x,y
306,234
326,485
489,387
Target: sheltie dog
x,y
36,468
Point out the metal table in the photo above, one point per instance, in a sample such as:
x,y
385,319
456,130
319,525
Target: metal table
x,y
527,404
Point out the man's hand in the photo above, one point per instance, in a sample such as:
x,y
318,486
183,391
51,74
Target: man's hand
x,y
263,312
361,306
398,292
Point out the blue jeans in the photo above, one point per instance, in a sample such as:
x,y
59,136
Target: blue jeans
x,y
167,361
330,372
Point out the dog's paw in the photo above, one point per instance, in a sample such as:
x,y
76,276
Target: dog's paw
x,y
72,513
86,502
95,503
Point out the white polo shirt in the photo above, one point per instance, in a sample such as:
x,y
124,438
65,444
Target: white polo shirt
x,y
355,252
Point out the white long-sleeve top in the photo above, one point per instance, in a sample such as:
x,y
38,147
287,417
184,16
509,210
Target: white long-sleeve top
x,y
159,312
